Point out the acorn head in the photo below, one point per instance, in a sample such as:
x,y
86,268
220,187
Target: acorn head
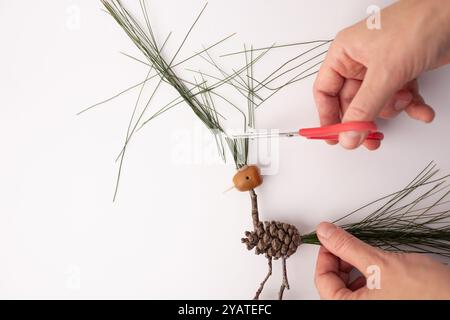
x,y
247,178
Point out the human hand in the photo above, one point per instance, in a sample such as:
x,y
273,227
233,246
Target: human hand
x,y
371,73
402,276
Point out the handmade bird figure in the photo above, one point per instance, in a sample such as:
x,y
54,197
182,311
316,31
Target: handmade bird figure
x,y
413,219
276,240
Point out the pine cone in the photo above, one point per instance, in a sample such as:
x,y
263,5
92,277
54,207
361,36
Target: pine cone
x,y
274,239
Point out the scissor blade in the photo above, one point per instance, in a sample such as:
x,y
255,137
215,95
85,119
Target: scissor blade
x,y
265,135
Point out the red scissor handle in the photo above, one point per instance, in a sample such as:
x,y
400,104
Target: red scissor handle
x,y
332,132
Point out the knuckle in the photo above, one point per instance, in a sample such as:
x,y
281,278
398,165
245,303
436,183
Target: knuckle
x,y
322,91
342,35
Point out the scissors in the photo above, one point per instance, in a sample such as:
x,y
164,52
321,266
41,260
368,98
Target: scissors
x,y
323,133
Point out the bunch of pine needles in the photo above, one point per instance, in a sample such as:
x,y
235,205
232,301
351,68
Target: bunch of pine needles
x,y
201,93
414,219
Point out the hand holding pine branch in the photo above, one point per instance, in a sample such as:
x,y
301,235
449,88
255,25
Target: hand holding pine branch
x,y
399,276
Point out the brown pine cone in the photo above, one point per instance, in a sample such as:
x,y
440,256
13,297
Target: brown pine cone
x,y
274,239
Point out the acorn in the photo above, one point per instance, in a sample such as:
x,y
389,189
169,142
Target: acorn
x,y
247,178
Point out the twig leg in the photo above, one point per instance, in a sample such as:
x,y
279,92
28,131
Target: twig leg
x,y
285,284
261,286
255,213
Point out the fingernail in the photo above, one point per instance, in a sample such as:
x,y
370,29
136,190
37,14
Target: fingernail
x,y
325,230
351,139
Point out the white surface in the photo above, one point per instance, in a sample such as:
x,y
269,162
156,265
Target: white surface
x,y
60,234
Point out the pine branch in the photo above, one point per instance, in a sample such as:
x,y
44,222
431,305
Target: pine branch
x,y
410,220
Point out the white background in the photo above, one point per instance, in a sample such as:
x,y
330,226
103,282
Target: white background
x,y
171,233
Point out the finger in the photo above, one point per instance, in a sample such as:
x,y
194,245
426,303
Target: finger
x,y
326,94
326,262
348,93
327,277
418,109
398,103
373,94
392,108
357,284
401,100
345,266
348,248
372,145
421,111
413,88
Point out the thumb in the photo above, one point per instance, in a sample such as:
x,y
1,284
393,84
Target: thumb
x,y
346,247
367,104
